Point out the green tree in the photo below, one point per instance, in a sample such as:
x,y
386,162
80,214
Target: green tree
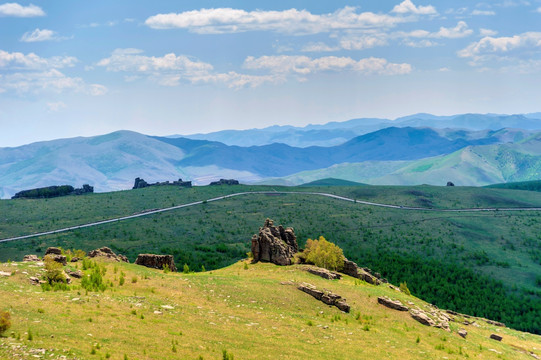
x,y
324,254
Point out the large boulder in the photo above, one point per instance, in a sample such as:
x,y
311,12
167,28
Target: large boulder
x,y
53,251
392,304
107,253
30,258
422,317
326,296
274,244
156,261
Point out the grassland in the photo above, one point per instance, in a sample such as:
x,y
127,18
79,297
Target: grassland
x,y
445,257
251,311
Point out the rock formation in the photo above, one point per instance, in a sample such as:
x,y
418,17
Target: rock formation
x,y
496,337
140,183
107,253
324,273
156,261
392,304
449,183
53,251
352,269
55,254
30,258
422,317
274,244
225,182
327,297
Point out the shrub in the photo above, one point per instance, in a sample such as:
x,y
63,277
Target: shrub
x,y
404,288
54,272
227,356
5,321
323,253
186,269
166,268
94,281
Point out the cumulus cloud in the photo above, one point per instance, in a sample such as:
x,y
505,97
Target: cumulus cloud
x,y
171,69
228,20
319,47
495,45
366,41
459,31
40,35
18,60
17,10
304,65
30,73
538,10
407,6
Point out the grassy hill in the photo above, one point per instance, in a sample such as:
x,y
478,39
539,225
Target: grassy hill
x,y
534,185
483,263
249,311
332,182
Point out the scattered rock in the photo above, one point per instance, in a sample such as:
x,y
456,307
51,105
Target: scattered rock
x,y
140,183
496,337
34,280
392,304
327,297
497,323
76,274
274,244
156,261
422,317
324,273
53,251
463,333
5,273
107,253
394,288
74,259
30,258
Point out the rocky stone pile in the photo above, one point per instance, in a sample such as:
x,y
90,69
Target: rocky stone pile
x,y
56,254
156,261
225,182
365,274
274,244
107,253
325,296
321,272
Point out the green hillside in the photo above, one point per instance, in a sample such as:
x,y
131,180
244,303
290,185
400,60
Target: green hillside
x,y
534,185
244,311
484,263
332,182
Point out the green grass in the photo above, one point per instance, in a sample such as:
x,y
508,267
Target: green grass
x,y
251,314
500,249
523,185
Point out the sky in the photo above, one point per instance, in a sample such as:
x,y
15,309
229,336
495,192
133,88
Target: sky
x,y
82,68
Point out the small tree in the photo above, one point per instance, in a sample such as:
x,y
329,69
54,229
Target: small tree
x,y
404,288
5,321
324,254
54,272
186,269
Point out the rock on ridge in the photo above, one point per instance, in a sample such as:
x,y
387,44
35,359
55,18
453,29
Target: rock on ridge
x,y
156,261
274,244
107,253
327,297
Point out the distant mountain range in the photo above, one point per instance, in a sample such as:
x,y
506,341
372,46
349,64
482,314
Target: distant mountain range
x,y
466,149
336,133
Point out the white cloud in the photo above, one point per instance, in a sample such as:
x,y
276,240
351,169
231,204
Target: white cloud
x,y
538,10
459,31
498,45
56,106
17,60
319,47
228,20
31,73
304,65
363,42
483,12
41,35
420,44
132,60
171,69
487,32
17,10
407,6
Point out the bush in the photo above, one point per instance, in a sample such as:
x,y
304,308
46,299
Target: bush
x,y
94,281
5,321
404,288
54,272
323,253
186,269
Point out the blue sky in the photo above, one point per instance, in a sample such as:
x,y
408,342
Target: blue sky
x,y
81,68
